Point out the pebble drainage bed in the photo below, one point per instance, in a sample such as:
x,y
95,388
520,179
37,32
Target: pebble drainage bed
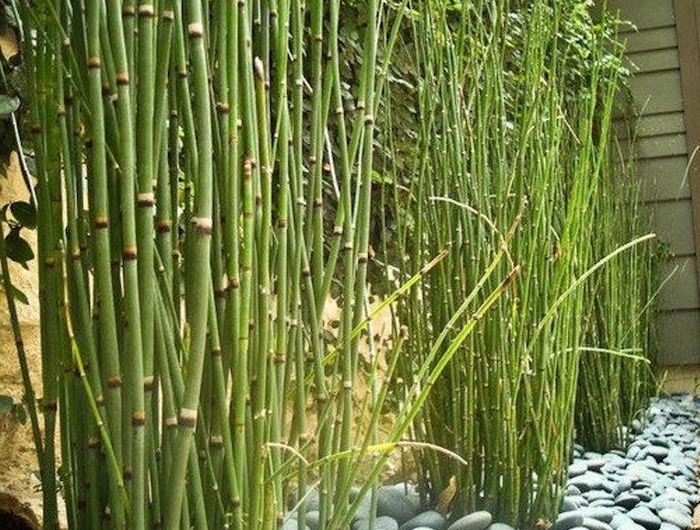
x,y
651,486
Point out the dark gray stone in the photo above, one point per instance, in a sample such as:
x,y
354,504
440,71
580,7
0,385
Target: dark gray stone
x,y
499,526
572,502
595,524
624,483
620,519
675,517
603,503
577,468
567,521
572,490
312,519
473,521
430,518
631,526
395,503
380,523
668,526
595,512
595,463
292,524
587,481
645,517
626,500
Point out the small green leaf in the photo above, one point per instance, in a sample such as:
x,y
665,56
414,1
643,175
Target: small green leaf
x,y
25,213
8,104
6,403
18,250
18,295
378,178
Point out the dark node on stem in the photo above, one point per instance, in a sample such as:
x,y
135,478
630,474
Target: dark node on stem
x,y
171,422
51,405
236,502
360,105
222,107
306,272
182,74
258,200
168,15
122,78
282,224
114,381
147,11
94,62
195,30
321,398
93,442
36,128
50,263
216,351
203,225
368,119
312,160
188,418
362,258
259,69
101,222
100,400
129,253
163,226
234,283
318,202
216,440
145,200
347,246
60,111
106,90
251,324
337,230
128,10
279,358
75,255
128,472
327,167
149,383
138,418
220,293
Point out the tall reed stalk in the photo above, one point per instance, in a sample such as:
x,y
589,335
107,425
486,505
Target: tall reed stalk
x,y
617,372
514,104
184,152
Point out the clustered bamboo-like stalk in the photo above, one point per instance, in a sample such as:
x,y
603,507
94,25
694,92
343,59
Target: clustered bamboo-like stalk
x,y
616,375
515,102
184,150
184,153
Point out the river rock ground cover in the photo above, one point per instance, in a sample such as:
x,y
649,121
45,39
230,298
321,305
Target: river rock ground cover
x,y
652,485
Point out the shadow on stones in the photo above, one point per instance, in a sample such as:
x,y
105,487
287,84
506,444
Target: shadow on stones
x,y
16,516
